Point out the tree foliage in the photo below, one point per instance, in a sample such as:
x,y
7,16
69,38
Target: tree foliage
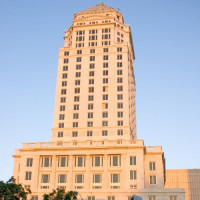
x,y
12,191
60,194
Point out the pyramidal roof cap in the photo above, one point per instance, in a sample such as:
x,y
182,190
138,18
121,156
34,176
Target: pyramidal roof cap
x,y
98,8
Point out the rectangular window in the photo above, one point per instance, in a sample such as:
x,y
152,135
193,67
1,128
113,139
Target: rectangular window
x,y
90,98
29,162
119,72
152,166
78,74
119,80
77,82
97,181
92,50
152,180
64,83
65,68
115,160
63,91
34,198
120,123
62,108
61,125
104,114
62,161
115,181
75,116
91,198
74,134
66,60
111,198
91,73
45,178
62,178
60,134
104,123
104,105
119,114
64,76
120,105
76,98
120,132
154,198
90,124
105,57
28,176
89,133
46,161
119,96
173,197
119,88
78,59
90,115
76,107
76,90
105,97
91,81
79,178
90,106
105,80
79,51
132,160
119,49
104,133
133,175
75,124
61,117
119,57
119,64
92,66
105,65
78,67
92,58
66,53
79,161
97,161
105,49
62,99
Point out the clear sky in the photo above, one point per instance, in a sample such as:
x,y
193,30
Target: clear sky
x,y
166,37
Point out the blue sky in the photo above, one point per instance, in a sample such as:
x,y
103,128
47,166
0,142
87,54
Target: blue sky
x,y
166,37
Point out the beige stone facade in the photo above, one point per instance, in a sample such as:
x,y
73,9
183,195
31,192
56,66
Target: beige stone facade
x,y
94,148
189,179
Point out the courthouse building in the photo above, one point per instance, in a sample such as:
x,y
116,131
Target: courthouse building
x,y
94,148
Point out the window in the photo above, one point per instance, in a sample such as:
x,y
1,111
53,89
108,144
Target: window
x,y
97,161
34,198
62,108
152,180
46,161
104,105
119,80
79,51
105,49
89,133
105,88
119,96
90,124
132,160
28,176
78,59
120,132
61,117
76,98
76,90
91,198
45,178
60,134
92,66
173,197
115,181
105,97
65,68
120,105
64,76
90,115
76,107
62,178
78,67
104,133
90,98
105,57
119,57
77,82
105,80
105,65
66,53
91,73
115,160
63,91
152,198
75,116
152,166
79,161
66,60
120,114
119,72
78,74
61,125
104,114
79,178
97,181
62,161
133,175
90,106
119,49
119,64
91,81
105,72
111,198
74,134
92,58
75,124
29,162
120,123
64,83
92,50
104,123
62,99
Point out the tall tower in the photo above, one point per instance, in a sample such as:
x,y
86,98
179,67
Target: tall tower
x,y
93,149
95,94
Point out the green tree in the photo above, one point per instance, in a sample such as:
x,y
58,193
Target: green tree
x,y
12,191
